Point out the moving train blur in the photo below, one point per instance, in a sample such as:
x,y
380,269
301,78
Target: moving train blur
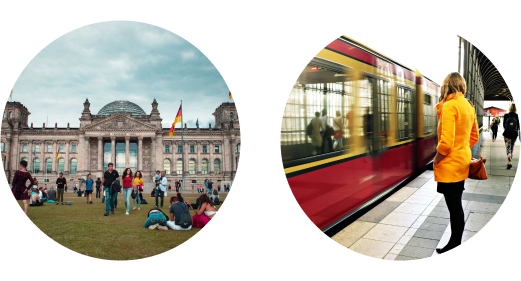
x,y
383,130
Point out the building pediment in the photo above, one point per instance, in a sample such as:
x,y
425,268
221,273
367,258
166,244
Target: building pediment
x,y
120,122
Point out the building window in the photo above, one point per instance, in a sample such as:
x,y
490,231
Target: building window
x,y
238,148
24,148
217,166
191,166
216,149
49,148
61,165
48,165
192,149
3,147
179,166
107,154
166,166
205,149
404,112
231,115
167,148
10,114
25,159
36,165
61,148
179,149
204,166
74,165
73,148
5,114
37,148
427,114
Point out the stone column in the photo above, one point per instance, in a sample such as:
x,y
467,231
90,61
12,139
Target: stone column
x,y
198,169
210,161
140,153
55,150
100,153
43,160
127,152
113,150
87,154
153,155
8,157
30,164
232,167
174,161
67,160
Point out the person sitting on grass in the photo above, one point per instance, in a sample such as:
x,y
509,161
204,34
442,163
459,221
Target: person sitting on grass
x,y
214,196
204,213
176,210
43,195
35,199
51,195
156,220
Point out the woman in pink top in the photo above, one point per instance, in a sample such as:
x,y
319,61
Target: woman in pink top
x,y
127,187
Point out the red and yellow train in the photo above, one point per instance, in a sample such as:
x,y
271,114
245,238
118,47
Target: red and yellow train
x,y
384,122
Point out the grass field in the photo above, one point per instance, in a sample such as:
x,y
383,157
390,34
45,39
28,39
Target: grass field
x,y
83,228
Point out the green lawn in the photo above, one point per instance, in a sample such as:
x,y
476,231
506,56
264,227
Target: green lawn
x,y
83,228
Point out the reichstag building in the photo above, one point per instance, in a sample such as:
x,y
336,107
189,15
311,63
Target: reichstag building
x,y
121,133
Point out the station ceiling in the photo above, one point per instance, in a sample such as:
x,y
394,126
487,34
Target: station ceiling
x,y
495,86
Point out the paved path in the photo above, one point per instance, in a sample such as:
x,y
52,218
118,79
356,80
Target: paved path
x,y
414,221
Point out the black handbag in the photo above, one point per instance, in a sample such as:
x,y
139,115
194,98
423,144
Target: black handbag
x,y
133,195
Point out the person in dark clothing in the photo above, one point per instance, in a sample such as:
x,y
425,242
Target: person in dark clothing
x,y
98,189
494,126
511,126
109,177
327,142
61,182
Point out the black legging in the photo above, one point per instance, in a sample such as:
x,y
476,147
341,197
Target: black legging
x,y
494,132
452,193
98,192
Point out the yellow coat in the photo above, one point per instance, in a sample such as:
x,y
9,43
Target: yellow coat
x,y
457,133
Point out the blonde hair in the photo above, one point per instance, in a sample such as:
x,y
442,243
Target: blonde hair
x,y
453,83
512,108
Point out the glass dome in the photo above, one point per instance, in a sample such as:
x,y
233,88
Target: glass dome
x,y
122,106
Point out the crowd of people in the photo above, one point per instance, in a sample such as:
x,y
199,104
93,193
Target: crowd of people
x,y
131,185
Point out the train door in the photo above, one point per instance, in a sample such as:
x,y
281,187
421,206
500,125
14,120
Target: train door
x,y
382,134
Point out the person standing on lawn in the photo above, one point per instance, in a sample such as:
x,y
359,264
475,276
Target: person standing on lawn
x,y
108,179
61,182
98,185
20,190
128,181
138,187
88,188
209,187
160,191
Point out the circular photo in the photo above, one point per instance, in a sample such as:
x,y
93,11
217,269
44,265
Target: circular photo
x,y
120,140
395,164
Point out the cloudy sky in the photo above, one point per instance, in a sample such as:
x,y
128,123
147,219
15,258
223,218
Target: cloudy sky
x,y
112,61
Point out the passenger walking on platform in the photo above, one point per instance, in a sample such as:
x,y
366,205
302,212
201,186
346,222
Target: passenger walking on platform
x,y
511,126
19,189
138,188
338,126
316,133
494,126
128,183
327,143
457,133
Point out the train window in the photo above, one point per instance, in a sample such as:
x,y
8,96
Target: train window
x,y
383,109
365,112
427,114
323,91
404,113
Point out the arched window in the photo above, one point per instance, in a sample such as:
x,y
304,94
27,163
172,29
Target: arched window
x,y
36,165
204,166
10,114
25,159
217,166
48,165
179,166
238,148
166,166
61,165
191,166
3,146
74,166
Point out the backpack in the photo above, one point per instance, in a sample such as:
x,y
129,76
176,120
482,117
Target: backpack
x,y
511,125
216,201
185,220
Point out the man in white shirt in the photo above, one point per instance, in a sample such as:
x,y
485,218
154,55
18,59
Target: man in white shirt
x,y
160,192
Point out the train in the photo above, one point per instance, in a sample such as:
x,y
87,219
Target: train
x,y
381,130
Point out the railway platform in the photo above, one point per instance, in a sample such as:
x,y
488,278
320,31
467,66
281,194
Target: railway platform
x,y
414,221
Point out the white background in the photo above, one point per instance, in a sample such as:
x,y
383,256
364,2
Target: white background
x,y
260,48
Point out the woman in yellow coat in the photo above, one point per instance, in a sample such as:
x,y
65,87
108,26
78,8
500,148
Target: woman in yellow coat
x,y
457,133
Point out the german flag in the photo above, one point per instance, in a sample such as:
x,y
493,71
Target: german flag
x,y
57,154
177,120
229,95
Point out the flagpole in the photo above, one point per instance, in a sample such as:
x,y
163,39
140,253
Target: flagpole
x,y
183,146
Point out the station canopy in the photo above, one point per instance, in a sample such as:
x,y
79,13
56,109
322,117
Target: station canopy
x,y
495,86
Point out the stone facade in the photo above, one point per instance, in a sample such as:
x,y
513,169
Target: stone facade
x,y
218,147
